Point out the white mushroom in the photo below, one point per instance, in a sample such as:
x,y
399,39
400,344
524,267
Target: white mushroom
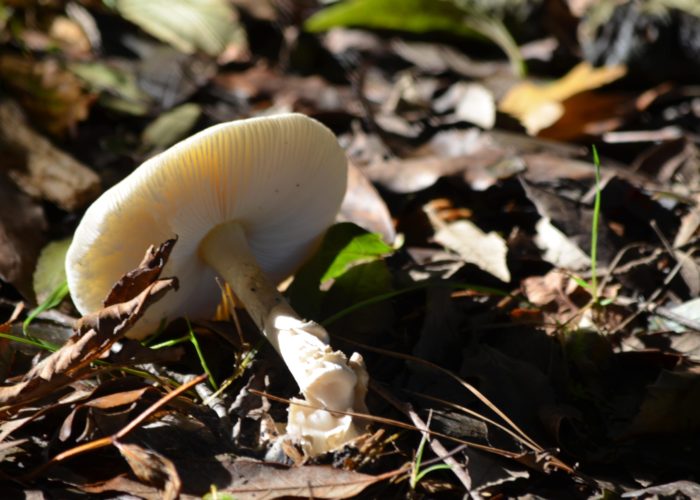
x,y
248,201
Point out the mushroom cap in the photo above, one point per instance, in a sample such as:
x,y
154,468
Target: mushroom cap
x,y
282,177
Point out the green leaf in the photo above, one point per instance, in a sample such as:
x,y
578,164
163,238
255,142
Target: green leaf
x,y
418,16
170,127
187,25
343,246
581,282
118,88
50,272
53,300
362,247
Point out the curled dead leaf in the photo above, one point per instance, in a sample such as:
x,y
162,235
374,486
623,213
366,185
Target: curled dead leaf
x,y
152,468
94,334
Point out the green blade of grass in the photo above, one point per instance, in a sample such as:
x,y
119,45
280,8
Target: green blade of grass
x,y
53,300
594,228
200,355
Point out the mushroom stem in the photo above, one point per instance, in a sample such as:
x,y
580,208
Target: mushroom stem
x,y
324,376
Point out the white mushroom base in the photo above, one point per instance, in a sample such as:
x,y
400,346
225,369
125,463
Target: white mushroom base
x,y
327,379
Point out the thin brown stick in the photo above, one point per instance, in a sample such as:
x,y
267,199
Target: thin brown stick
x,y
392,422
523,436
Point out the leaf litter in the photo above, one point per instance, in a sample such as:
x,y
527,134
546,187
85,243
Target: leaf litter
x,y
466,279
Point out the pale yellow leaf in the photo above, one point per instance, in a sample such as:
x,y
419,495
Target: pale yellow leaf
x,y
539,106
485,250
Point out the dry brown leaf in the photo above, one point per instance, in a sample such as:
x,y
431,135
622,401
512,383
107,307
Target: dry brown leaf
x,y
590,113
539,106
543,290
125,485
558,249
95,334
671,404
467,152
152,468
261,82
22,233
52,96
487,251
263,481
39,168
109,401
134,282
364,206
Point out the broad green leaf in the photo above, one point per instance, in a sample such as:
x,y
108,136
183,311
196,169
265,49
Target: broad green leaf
x,y
170,127
50,270
343,246
418,16
187,25
363,247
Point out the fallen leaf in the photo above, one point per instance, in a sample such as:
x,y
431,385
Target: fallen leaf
x,y
689,226
544,290
102,423
466,152
50,270
39,168
512,382
364,206
22,232
690,271
94,334
152,468
470,102
263,82
539,106
574,220
123,484
676,489
52,96
437,58
170,127
135,281
671,405
168,76
558,249
187,25
487,251
263,481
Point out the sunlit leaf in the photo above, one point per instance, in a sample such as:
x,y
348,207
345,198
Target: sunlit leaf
x,y
344,245
417,16
485,250
170,127
50,270
539,106
187,25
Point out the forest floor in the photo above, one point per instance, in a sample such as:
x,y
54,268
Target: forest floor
x,y
516,257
